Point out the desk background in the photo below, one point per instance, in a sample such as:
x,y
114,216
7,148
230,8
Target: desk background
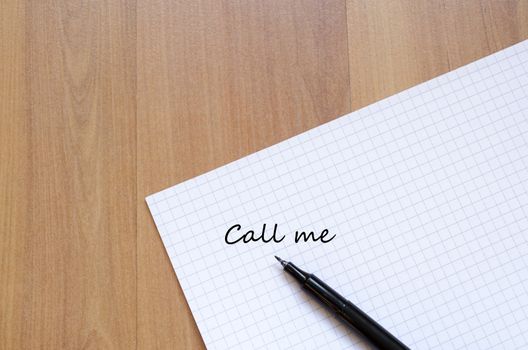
x,y
105,101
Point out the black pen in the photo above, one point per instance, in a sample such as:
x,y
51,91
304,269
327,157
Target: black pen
x,y
349,312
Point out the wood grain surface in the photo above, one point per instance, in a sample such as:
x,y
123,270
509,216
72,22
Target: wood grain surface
x,y
103,102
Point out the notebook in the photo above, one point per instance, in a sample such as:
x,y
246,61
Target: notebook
x,y
426,194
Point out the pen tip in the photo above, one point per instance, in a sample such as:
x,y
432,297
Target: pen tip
x,y
280,260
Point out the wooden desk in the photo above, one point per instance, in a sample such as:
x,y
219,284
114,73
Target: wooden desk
x,y
106,101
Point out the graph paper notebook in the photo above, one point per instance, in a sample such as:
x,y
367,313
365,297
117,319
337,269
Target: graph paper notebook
x,y
426,194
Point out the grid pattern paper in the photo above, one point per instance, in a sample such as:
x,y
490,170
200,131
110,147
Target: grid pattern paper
x,y
426,192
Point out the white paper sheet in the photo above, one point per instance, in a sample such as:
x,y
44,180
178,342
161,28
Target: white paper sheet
x,y
426,192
